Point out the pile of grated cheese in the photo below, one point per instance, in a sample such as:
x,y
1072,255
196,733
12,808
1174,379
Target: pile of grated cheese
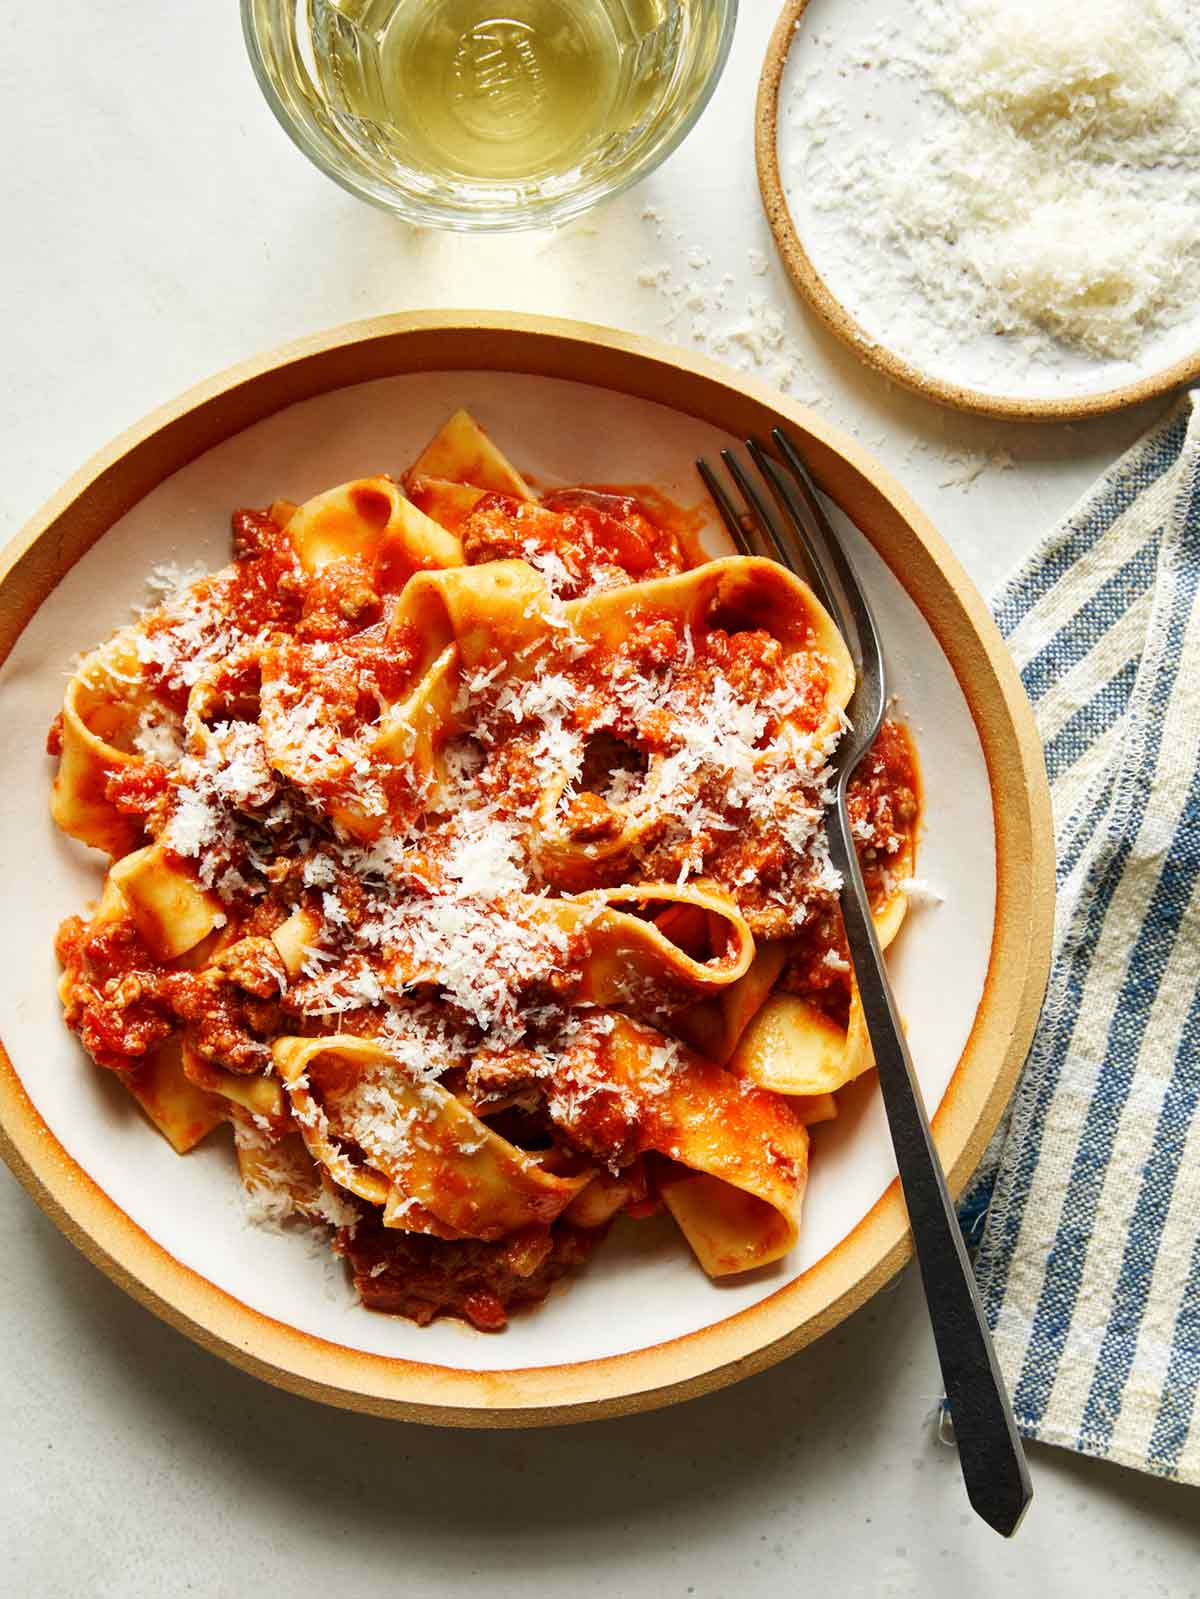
x,y
1046,188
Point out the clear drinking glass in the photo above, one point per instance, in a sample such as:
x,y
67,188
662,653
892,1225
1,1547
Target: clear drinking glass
x,y
487,114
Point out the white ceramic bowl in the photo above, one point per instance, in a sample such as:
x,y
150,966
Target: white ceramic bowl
x,y
640,1325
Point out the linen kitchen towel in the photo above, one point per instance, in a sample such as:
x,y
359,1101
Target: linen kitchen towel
x,y
1086,1212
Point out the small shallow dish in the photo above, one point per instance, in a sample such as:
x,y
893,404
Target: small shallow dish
x,y
820,44
641,1326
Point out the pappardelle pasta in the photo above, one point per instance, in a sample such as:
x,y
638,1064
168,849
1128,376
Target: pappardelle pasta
x,y
467,860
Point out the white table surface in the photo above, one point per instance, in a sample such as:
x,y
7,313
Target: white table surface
x,y
159,226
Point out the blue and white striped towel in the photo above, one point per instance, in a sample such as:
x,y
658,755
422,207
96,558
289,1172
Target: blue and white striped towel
x,y
1086,1211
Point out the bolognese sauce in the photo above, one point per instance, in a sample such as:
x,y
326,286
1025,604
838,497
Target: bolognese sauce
x,y
454,867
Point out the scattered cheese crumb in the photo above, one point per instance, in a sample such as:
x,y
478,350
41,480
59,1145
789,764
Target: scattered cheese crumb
x,y
919,892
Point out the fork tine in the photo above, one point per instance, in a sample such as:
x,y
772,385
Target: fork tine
x,y
725,506
852,590
764,523
804,553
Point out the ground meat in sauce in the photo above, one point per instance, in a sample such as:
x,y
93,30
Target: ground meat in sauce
x,y
219,1020
503,1075
340,600
589,819
268,588
582,534
140,790
884,793
253,533
818,965
255,965
122,1002
111,994
884,803
407,1274
750,662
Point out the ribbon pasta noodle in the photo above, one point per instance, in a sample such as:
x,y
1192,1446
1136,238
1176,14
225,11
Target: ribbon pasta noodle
x,y
466,860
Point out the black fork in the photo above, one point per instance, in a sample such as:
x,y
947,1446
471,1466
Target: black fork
x,y
788,524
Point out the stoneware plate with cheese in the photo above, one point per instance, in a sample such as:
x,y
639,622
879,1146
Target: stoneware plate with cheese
x,y
641,1325
995,202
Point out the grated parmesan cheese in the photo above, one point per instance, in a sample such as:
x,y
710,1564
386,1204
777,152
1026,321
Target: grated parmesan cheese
x,y
1043,191
167,581
920,892
159,734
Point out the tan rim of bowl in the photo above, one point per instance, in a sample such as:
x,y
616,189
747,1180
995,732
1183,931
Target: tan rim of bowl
x,y
122,474
834,314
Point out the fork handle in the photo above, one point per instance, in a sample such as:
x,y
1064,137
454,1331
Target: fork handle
x,y
990,1453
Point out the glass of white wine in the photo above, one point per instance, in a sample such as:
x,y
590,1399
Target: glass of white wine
x,y
487,114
